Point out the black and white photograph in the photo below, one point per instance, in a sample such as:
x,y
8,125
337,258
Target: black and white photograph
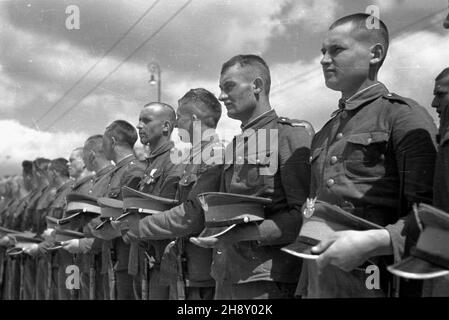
x,y
192,151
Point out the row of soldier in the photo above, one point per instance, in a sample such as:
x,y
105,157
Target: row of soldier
x,y
352,196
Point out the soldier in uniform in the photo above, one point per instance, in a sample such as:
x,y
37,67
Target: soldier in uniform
x,y
118,142
82,177
198,110
247,262
93,280
25,222
440,286
31,221
161,177
374,158
18,200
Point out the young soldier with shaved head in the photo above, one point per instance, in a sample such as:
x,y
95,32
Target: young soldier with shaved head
x,y
374,158
247,261
156,123
199,110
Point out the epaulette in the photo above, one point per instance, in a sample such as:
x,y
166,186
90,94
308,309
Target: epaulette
x,y
297,123
397,98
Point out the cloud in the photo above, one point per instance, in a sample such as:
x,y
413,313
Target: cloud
x,y
20,142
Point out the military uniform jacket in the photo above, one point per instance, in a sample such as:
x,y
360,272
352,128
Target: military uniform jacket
x,y
278,170
374,158
99,184
127,172
187,219
42,207
441,181
439,287
161,178
83,185
29,221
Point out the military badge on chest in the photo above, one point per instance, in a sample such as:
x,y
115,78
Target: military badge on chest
x,y
310,207
148,179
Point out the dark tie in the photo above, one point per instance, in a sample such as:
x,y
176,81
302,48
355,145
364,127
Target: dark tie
x,y
341,107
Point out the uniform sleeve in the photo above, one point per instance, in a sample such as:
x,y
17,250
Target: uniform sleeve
x,y
86,244
294,153
187,218
413,138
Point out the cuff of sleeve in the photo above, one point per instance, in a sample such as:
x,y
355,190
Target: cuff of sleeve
x,y
397,239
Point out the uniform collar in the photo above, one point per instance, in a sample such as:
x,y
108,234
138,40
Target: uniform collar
x,y
363,96
260,121
81,181
167,146
103,171
65,185
130,157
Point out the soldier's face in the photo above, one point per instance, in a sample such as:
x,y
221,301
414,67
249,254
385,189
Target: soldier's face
x,y
346,59
150,126
76,164
441,97
237,92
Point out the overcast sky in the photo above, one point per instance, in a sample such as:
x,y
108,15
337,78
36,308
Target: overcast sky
x,y
40,59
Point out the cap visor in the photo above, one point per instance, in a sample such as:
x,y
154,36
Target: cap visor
x,y
54,248
215,232
415,268
69,219
302,249
101,225
14,251
123,216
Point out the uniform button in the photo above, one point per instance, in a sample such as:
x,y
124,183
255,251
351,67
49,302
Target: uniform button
x,y
389,95
330,182
334,160
370,140
339,136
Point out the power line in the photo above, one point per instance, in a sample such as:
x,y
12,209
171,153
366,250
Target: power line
x,y
53,106
121,63
303,75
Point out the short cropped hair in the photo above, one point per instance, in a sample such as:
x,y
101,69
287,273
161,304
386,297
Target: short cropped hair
x,y
123,132
207,102
443,74
60,165
41,164
378,35
169,111
253,61
27,167
95,143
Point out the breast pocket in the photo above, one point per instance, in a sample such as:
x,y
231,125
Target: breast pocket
x,y
185,186
258,169
364,155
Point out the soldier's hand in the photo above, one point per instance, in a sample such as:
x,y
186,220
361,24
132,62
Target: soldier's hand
x,y
32,250
205,242
49,234
120,225
72,246
348,250
6,241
